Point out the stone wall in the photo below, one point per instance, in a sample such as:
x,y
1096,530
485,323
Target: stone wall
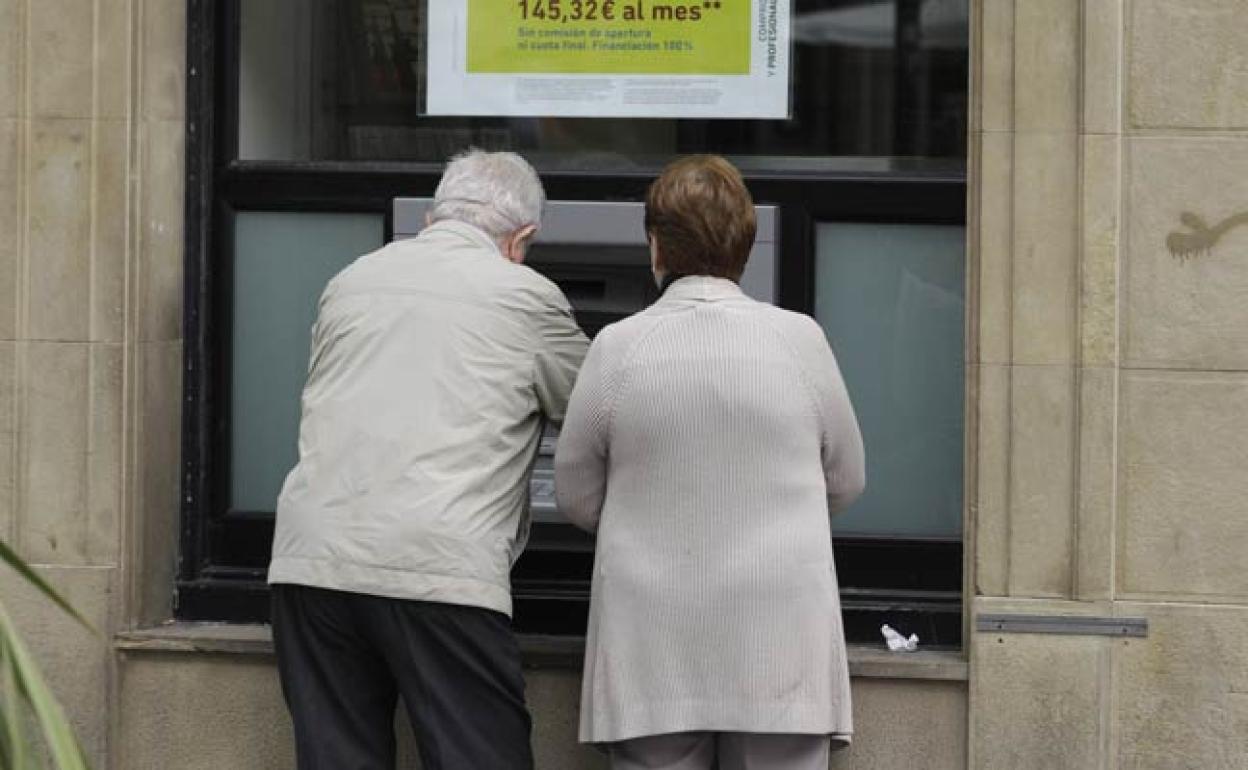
x,y
1110,140
211,711
91,124
1107,399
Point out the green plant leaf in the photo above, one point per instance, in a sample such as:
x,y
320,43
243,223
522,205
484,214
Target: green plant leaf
x,y
13,718
8,555
58,735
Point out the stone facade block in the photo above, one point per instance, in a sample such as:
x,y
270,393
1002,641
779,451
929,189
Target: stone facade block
x,y
1046,65
1186,265
160,260
1042,463
52,515
216,711
163,62
1045,250
899,723
12,43
114,46
994,249
59,245
1187,64
8,439
61,50
995,73
1102,66
202,712
157,507
991,507
1099,257
111,212
554,698
10,218
1097,493
104,453
75,662
167,701
1038,701
70,399
1182,693
1182,525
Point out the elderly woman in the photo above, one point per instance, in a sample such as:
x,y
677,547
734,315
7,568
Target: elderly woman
x,y
707,441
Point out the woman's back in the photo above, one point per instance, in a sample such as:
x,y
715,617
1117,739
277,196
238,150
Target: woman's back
x,y
715,601
707,440
715,460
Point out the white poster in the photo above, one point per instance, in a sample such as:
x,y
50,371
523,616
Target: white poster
x,y
609,58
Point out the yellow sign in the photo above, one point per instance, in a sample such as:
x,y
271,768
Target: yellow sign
x,y
609,37
725,59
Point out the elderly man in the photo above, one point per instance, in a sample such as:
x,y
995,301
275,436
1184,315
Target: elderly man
x,y
434,363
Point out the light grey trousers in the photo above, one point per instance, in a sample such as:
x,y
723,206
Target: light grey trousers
x,y
736,751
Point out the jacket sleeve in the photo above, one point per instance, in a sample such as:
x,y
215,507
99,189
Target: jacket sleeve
x,y
844,461
318,347
581,457
561,347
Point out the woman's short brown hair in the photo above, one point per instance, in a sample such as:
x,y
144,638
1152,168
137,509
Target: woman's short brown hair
x,y
702,217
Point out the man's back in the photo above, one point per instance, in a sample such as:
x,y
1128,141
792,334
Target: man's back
x,y
433,362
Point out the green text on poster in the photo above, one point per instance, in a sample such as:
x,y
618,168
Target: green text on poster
x,y
650,37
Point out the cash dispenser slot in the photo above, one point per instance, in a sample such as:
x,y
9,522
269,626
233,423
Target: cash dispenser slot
x,y
603,285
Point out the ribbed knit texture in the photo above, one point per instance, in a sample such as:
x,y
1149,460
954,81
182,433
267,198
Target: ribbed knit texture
x,y
705,440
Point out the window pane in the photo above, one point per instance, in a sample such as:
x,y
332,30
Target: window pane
x,y
282,262
342,80
890,298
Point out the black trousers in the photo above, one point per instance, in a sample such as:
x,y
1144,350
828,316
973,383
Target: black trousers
x,y
346,658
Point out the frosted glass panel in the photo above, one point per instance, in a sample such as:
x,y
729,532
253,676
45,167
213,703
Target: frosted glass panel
x,y
891,299
282,262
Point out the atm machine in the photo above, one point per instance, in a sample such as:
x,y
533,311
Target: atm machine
x,y
596,252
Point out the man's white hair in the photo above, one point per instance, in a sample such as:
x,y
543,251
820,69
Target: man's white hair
x,y
498,192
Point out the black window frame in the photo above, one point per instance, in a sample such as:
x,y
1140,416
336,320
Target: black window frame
x,y
915,584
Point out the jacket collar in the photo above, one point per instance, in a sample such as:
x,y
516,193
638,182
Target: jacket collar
x,y
702,288
454,228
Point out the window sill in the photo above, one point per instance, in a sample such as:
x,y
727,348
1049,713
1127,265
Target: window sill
x,y
547,652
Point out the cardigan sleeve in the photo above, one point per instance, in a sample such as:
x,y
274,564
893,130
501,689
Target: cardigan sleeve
x,y
844,460
581,456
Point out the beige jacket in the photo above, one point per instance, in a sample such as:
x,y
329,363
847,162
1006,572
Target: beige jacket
x,y
433,363
707,442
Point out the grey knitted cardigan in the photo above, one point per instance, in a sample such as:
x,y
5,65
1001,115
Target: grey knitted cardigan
x,y
707,441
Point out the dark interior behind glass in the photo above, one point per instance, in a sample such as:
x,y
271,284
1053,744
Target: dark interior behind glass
x,y
871,78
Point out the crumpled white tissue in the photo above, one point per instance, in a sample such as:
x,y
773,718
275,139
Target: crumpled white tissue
x,y
898,643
